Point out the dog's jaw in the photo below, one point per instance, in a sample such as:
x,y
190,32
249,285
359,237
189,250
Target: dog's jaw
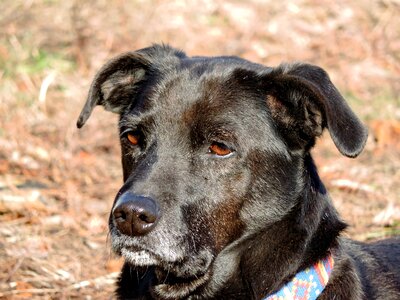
x,y
173,279
179,290
185,278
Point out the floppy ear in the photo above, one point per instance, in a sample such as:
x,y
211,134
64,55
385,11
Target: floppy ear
x,y
303,101
115,84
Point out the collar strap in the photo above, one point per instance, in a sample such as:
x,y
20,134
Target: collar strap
x,y
307,284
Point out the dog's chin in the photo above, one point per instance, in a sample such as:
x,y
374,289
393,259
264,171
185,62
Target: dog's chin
x,y
176,280
139,258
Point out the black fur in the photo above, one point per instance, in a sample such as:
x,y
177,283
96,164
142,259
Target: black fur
x,y
238,225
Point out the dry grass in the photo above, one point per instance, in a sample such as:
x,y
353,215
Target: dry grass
x,y
57,183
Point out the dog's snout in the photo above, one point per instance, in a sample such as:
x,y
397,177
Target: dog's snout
x,y
135,215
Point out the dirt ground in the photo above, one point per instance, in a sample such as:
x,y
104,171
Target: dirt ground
x,y
57,183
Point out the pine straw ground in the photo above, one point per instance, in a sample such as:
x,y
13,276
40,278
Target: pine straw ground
x,y
57,183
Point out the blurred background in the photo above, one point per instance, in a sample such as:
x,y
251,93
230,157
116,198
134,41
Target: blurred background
x,y
57,184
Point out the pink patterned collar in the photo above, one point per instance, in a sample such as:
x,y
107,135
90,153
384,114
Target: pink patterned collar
x,y
307,284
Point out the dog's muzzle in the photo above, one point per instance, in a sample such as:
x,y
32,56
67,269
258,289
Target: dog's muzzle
x,y
135,215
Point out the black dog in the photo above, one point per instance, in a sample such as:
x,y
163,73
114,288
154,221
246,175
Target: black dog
x,y
221,198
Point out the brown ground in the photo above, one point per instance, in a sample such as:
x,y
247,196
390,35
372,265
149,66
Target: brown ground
x,y
57,183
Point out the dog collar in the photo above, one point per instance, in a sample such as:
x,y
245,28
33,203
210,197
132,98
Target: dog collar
x,y
307,284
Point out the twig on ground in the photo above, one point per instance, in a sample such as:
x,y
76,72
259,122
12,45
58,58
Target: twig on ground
x,y
108,279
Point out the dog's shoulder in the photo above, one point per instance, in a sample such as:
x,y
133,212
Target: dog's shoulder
x,y
366,270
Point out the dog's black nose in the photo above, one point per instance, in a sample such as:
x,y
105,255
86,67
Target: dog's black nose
x,y
135,215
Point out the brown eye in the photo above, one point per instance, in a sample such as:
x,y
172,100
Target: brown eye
x,y
133,138
219,149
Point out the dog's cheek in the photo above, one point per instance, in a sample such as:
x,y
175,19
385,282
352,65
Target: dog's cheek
x,y
276,181
213,226
225,223
223,220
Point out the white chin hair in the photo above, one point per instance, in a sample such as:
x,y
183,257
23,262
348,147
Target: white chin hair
x,y
139,258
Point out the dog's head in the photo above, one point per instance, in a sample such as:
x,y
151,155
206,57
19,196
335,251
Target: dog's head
x,y
212,152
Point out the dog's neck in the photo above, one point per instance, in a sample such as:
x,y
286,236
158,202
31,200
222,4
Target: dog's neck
x,y
307,284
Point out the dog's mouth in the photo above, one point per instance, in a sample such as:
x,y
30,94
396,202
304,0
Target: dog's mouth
x,y
175,279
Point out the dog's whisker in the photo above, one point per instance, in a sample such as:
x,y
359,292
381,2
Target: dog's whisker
x,y
138,278
166,276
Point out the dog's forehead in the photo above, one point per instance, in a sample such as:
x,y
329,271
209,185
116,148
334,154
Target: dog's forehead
x,y
200,87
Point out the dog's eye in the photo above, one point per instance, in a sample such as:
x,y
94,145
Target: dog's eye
x,y
219,149
133,138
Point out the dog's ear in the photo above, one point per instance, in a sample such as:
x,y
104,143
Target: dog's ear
x,y
303,101
115,84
